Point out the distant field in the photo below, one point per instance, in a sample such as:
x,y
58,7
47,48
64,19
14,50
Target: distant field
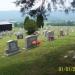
x,y
43,60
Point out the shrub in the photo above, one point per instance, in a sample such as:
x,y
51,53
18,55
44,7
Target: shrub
x,y
30,25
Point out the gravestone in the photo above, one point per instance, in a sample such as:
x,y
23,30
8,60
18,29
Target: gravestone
x,y
62,33
50,35
29,39
12,47
19,36
45,33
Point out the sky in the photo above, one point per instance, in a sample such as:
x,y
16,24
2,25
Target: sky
x,y
6,5
9,5
38,3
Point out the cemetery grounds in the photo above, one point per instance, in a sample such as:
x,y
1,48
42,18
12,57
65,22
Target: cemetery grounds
x,y
42,60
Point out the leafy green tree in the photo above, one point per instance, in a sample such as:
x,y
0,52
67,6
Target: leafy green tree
x,y
30,25
29,6
40,21
26,21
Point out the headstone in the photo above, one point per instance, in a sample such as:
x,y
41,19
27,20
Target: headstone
x,y
12,47
45,33
29,39
19,36
50,35
61,33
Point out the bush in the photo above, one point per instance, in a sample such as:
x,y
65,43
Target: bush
x,y
30,25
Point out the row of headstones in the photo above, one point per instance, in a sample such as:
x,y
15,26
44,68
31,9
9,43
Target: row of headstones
x,y
5,33
12,45
2,34
50,34
19,35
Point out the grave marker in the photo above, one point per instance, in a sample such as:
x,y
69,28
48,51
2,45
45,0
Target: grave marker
x,y
50,35
61,33
19,36
12,47
45,33
29,39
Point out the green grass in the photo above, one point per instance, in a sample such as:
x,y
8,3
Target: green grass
x,y
42,60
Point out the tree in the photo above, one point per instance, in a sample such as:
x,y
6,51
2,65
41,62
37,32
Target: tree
x,y
26,21
44,5
40,21
36,7
30,25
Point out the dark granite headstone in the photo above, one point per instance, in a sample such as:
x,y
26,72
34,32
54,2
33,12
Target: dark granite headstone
x,y
20,36
50,35
62,33
12,47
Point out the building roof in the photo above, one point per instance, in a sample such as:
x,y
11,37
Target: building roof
x,y
4,22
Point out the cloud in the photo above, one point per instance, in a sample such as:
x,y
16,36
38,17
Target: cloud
x,y
8,5
59,6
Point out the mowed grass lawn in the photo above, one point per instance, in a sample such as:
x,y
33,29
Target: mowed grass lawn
x,y
42,60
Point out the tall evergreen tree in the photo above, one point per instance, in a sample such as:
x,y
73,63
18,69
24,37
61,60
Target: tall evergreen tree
x,y
40,21
30,25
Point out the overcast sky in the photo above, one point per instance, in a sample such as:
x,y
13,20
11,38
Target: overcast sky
x,y
9,5
6,5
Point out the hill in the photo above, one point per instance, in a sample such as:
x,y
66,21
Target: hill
x,y
11,15
56,16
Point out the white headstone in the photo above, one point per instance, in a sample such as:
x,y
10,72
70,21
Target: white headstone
x,y
45,33
29,39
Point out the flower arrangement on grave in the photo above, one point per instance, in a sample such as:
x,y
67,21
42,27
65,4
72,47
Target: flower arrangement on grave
x,y
35,42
